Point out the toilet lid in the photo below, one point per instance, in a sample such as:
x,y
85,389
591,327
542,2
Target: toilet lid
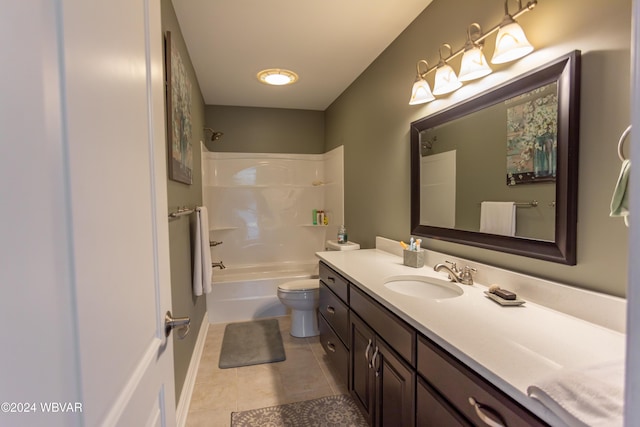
x,y
300,285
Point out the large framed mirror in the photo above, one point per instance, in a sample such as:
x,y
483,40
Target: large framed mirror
x,y
510,152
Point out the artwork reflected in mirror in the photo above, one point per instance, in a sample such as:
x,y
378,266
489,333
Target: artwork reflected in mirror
x,y
505,152
509,153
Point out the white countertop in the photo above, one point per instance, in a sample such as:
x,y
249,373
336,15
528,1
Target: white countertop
x,y
512,347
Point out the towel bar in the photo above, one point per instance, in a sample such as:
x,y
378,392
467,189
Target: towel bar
x,y
531,204
181,211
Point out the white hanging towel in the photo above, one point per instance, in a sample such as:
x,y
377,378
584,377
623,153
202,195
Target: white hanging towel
x,y
201,253
498,218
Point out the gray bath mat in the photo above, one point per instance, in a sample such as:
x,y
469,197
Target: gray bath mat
x,y
251,343
330,411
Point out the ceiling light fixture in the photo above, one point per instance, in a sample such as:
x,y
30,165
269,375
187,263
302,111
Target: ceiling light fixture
x,y
277,76
511,44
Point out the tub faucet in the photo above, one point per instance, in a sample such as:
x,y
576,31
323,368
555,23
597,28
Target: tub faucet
x,y
220,265
463,276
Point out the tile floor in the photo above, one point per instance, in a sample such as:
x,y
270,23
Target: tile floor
x,y
305,374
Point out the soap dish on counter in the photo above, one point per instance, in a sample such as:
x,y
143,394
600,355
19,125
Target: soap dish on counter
x,y
503,301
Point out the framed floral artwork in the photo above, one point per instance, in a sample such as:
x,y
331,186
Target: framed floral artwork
x,y
178,100
532,128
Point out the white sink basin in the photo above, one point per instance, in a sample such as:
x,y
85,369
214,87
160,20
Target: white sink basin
x,y
423,287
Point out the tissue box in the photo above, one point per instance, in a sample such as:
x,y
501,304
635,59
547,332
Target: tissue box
x,y
414,258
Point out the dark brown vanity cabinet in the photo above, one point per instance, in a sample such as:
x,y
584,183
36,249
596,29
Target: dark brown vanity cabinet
x,y
432,410
476,399
333,319
398,377
381,382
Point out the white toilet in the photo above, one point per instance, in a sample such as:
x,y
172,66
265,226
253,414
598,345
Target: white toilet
x,y
302,297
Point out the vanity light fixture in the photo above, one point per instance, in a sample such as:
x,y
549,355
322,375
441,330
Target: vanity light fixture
x,y
277,76
446,79
421,91
511,44
474,64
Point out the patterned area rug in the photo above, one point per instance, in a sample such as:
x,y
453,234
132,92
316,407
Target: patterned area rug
x,y
330,411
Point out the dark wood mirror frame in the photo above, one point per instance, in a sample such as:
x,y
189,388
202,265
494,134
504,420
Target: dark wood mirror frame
x,y
566,72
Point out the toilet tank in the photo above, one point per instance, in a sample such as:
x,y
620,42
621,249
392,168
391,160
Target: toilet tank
x,y
333,245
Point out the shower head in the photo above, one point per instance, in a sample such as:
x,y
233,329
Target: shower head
x,y
214,135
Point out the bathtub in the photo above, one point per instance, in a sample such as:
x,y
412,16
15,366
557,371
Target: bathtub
x,y
248,292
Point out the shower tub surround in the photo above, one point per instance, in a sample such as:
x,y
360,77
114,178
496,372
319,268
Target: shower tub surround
x,y
260,206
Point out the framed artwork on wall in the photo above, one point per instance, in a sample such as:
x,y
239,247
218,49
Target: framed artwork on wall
x,y
178,100
532,128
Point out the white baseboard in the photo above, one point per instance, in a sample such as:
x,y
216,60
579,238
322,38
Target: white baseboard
x,y
190,381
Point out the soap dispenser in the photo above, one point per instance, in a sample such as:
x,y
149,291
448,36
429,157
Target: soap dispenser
x,y
342,234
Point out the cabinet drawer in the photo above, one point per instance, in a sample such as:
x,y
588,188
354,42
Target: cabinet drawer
x,y
335,312
459,383
432,410
338,284
387,325
336,351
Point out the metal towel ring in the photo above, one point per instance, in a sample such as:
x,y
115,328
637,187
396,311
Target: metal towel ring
x,y
621,142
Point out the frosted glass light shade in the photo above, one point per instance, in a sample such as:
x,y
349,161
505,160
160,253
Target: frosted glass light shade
x,y
277,76
474,65
421,92
446,80
511,43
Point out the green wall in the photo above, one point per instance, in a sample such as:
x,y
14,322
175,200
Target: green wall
x,y
184,303
371,119
265,130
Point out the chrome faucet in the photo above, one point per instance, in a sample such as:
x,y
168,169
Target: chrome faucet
x,y
463,276
220,265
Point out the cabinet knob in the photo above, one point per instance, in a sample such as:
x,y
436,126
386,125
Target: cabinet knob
x,y
366,353
331,279
331,347
330,310
482,412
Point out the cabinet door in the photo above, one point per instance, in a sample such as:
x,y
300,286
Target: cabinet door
x,y
395,388
361,376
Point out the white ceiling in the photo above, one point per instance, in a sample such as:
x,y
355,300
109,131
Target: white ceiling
x,y
328,43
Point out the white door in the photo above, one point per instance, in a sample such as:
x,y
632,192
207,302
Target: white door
x,y
85,271
438,190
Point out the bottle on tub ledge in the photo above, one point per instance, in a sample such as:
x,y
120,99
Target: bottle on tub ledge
x,y
319,217
342,234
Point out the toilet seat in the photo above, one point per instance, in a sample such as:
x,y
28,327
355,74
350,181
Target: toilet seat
x,y
300,285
